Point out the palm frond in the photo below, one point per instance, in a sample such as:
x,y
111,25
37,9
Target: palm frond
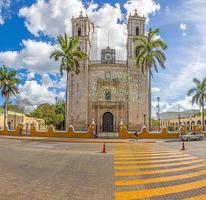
x,y
196,81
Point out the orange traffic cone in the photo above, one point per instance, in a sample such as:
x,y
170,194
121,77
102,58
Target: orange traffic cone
x,y
104,148
183,146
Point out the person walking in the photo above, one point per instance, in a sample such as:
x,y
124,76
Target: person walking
x,y
136,134
94,134
20,131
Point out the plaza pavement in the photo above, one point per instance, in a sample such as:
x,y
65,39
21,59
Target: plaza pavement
x,y
54,170
153,170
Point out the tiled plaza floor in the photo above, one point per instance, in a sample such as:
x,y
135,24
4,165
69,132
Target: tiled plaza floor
x,y
41,170
155,172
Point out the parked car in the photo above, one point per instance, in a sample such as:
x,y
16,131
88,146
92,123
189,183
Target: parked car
x,y
192,136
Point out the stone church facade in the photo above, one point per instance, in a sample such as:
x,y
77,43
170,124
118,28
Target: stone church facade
x,y
108,91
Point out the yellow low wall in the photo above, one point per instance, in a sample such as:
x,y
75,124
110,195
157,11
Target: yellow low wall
x,y
52,133
69,134
164,134
123,134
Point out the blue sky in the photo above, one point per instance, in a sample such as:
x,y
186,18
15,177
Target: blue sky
x,y
28,29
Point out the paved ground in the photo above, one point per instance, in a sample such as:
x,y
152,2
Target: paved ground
x,y
46,170
154,170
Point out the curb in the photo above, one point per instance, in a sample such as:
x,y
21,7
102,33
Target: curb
x,y
68,141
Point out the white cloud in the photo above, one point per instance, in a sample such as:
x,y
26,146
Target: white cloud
x,y
37,93
30,76
53,17
34,57
183,26
48,82
155,89
179,105
144,7
4,6
167,9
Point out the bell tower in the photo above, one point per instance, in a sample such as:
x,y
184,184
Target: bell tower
x,y
138,110
82,28
135,27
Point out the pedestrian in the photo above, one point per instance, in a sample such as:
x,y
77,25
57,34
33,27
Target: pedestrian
x,y
136,134
20,131
180,132
94,133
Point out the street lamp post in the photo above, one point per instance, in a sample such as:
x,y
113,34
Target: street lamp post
x,y
56,101
144,119
158,111
15,121
179,117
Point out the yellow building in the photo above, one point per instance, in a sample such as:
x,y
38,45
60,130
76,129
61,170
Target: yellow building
x,y
189,122
15,118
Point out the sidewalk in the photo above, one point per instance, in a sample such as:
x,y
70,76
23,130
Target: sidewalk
x,y
72,140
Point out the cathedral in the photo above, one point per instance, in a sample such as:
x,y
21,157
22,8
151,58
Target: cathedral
x,y
108,91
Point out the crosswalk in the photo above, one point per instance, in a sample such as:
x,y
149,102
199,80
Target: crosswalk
x,y
155,172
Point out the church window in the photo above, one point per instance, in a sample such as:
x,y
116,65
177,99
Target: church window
x,y
108,95
137,30
79,31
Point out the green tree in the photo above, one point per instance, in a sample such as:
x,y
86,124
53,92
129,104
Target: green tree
x,y
69,56
60,113
8,86
44,111
52,114
14,108
150,54
198,94
155,123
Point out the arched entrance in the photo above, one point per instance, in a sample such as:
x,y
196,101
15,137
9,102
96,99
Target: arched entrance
x,y
108,122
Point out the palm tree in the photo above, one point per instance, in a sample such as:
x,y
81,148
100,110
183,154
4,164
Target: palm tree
x,y
198,94
150,54
69,56
8,81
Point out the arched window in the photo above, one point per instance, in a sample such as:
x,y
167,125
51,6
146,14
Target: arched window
x,y
79,31
137,30
198,122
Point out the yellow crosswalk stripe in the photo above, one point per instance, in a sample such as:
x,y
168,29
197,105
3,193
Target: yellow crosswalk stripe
x,y
147,154
148,161
148,193
149,157
160,179
198,197
161,171
143,159
117,167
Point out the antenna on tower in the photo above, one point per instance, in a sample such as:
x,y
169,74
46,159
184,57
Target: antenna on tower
x,y
108,39
95,43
